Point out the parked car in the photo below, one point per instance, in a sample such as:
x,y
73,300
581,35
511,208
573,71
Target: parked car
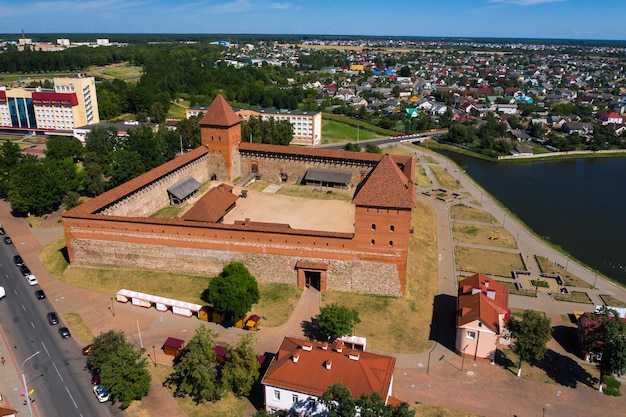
x,y
2,231
87,349
31,279
53,318
65,332
24,270
3,292
40,294
18,261
7,240
101,393
95,379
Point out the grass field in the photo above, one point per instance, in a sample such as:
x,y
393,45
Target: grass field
x,y
611,301
123,70
333,132
569,279
444,178
480,235
487,262
574,297
276,301
462,212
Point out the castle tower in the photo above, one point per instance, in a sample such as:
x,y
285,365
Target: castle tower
x,y
220,132
384,202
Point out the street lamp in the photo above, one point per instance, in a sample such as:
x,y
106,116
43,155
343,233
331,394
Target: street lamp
x,y
112,307
463,357
595,278
30,408
154,356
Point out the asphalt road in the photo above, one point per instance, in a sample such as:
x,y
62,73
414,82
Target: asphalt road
x,y
62,387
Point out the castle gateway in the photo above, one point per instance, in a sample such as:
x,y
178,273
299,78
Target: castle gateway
x,y
366,255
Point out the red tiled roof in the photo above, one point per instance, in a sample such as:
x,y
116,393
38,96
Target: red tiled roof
x,y
220,114
127,188
474,302
385,186
370,373
213,206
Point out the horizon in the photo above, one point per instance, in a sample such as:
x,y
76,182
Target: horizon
x,y
549,20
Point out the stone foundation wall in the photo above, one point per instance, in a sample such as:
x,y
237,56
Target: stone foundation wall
x,y
343,275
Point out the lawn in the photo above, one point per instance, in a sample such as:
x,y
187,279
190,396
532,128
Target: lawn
x,y
462,212
574,297
487,262
611,301
513,290
480,235
444,178
276,301
333,131
569,279
122,70
384,319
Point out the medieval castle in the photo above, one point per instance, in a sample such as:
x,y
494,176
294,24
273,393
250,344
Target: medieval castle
x,y
115,229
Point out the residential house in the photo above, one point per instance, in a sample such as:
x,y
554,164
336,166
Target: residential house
x,y
507,108
577,127
610,118
302,370
7,412
482,310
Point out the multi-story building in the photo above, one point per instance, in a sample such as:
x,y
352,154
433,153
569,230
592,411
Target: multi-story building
x,y
307,125
70,104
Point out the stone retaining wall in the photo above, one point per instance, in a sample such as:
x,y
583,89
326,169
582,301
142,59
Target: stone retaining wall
x,y
343,275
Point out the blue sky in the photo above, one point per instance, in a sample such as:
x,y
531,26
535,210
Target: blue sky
x,y
560,19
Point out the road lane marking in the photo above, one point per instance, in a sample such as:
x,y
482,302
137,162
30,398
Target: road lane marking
x,y
71,398
32,324
23,308
45,348
57,369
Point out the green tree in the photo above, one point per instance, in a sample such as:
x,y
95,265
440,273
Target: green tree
x,y
124,166
335,320
241,368
233,291
354,147
93,180
10,156
189,131
122,368
195,371
59,147
157,113
605,340
339,401
372,148
531,336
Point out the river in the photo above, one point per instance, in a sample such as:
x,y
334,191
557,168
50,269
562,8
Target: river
x,y
578,204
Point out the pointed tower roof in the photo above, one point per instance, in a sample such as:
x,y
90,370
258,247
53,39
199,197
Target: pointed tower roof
x,y
220,114
385,186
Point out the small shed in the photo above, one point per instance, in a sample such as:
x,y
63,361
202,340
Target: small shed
x,y
182,190
325,177
173,346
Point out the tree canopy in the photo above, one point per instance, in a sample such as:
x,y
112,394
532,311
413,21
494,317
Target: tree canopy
x,y
233,291
340,403
272,131
531,336
605,341
122,368
335,320
241,368
195,370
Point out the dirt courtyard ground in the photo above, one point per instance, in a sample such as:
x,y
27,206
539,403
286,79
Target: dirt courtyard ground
x,y
299,213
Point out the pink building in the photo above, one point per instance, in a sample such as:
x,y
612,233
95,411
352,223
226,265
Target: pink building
x,y
482,310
